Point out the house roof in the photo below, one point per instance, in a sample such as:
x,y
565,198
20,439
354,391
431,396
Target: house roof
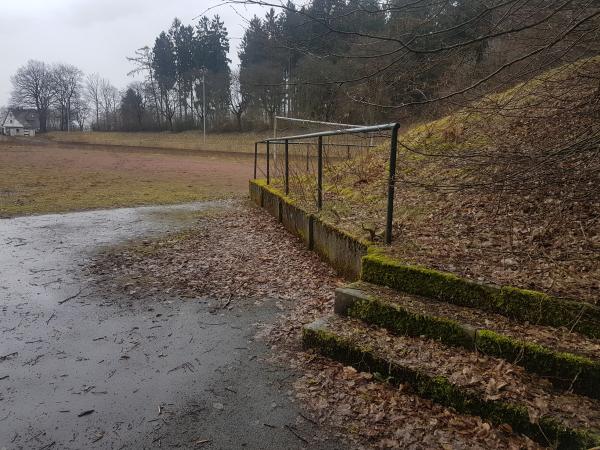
x,y
27,117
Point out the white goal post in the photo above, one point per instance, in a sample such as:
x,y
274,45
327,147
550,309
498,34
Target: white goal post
x,y
297,120
313,122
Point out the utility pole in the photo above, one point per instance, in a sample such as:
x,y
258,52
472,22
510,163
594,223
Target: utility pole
x,y
204,107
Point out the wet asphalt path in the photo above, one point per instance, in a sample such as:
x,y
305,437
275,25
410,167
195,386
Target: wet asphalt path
x,y
80,368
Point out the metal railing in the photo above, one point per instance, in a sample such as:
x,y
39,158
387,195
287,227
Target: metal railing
x,y
287,140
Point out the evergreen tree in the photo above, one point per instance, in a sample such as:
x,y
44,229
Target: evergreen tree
x,y
164,64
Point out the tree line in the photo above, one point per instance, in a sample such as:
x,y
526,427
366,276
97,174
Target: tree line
x,y
186,83
186,77
368,61
65,98
355,61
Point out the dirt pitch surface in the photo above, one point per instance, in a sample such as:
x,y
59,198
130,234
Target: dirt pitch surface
x,y
38,176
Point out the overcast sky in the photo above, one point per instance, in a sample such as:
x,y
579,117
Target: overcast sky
x,y
97,35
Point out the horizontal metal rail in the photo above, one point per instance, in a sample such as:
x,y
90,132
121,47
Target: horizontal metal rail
x,y
294,119
287,140
358,130
326,144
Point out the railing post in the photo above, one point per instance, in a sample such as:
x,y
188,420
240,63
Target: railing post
x,y
287,168
320,175
255,158
307,156
391,185
268,162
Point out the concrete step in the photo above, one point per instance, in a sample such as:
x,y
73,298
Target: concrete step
x,y
470,383
569,360
515,303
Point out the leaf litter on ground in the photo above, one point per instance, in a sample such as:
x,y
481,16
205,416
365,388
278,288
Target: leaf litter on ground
x,y
242,255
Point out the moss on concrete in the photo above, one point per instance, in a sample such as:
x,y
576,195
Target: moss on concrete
x,y
519,304
548,431
565,370
273,190
400,321
287,199
342,250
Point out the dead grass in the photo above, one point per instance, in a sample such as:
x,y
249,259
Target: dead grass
x,y
506,191
37,179
188,140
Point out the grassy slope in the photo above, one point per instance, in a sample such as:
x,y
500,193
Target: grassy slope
x,y
542,232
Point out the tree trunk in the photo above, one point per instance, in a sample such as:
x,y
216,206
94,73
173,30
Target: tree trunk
x,y
43,118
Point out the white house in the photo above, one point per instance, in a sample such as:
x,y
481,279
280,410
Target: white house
x,y
20,122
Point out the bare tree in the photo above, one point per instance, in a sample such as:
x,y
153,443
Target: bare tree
x,y
81,111
92,93
110,102
33,88
143,64
66,80
238,98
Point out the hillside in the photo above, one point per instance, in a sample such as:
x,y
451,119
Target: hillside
x,y
504,191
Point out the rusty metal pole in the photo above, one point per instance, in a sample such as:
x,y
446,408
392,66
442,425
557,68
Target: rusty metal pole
x,y
255,158
391,185
307,157
268,162
287,168
320,175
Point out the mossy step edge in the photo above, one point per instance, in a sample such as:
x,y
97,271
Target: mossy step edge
x,y
565,370
517,304
547,431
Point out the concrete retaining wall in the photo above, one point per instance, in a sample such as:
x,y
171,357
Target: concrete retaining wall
x,y
341,251
256,194
298,222
270,202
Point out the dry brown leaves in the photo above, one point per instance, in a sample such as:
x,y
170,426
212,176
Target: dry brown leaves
x,y
243,253
235,253
491,378
382,416
506,192
561,339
